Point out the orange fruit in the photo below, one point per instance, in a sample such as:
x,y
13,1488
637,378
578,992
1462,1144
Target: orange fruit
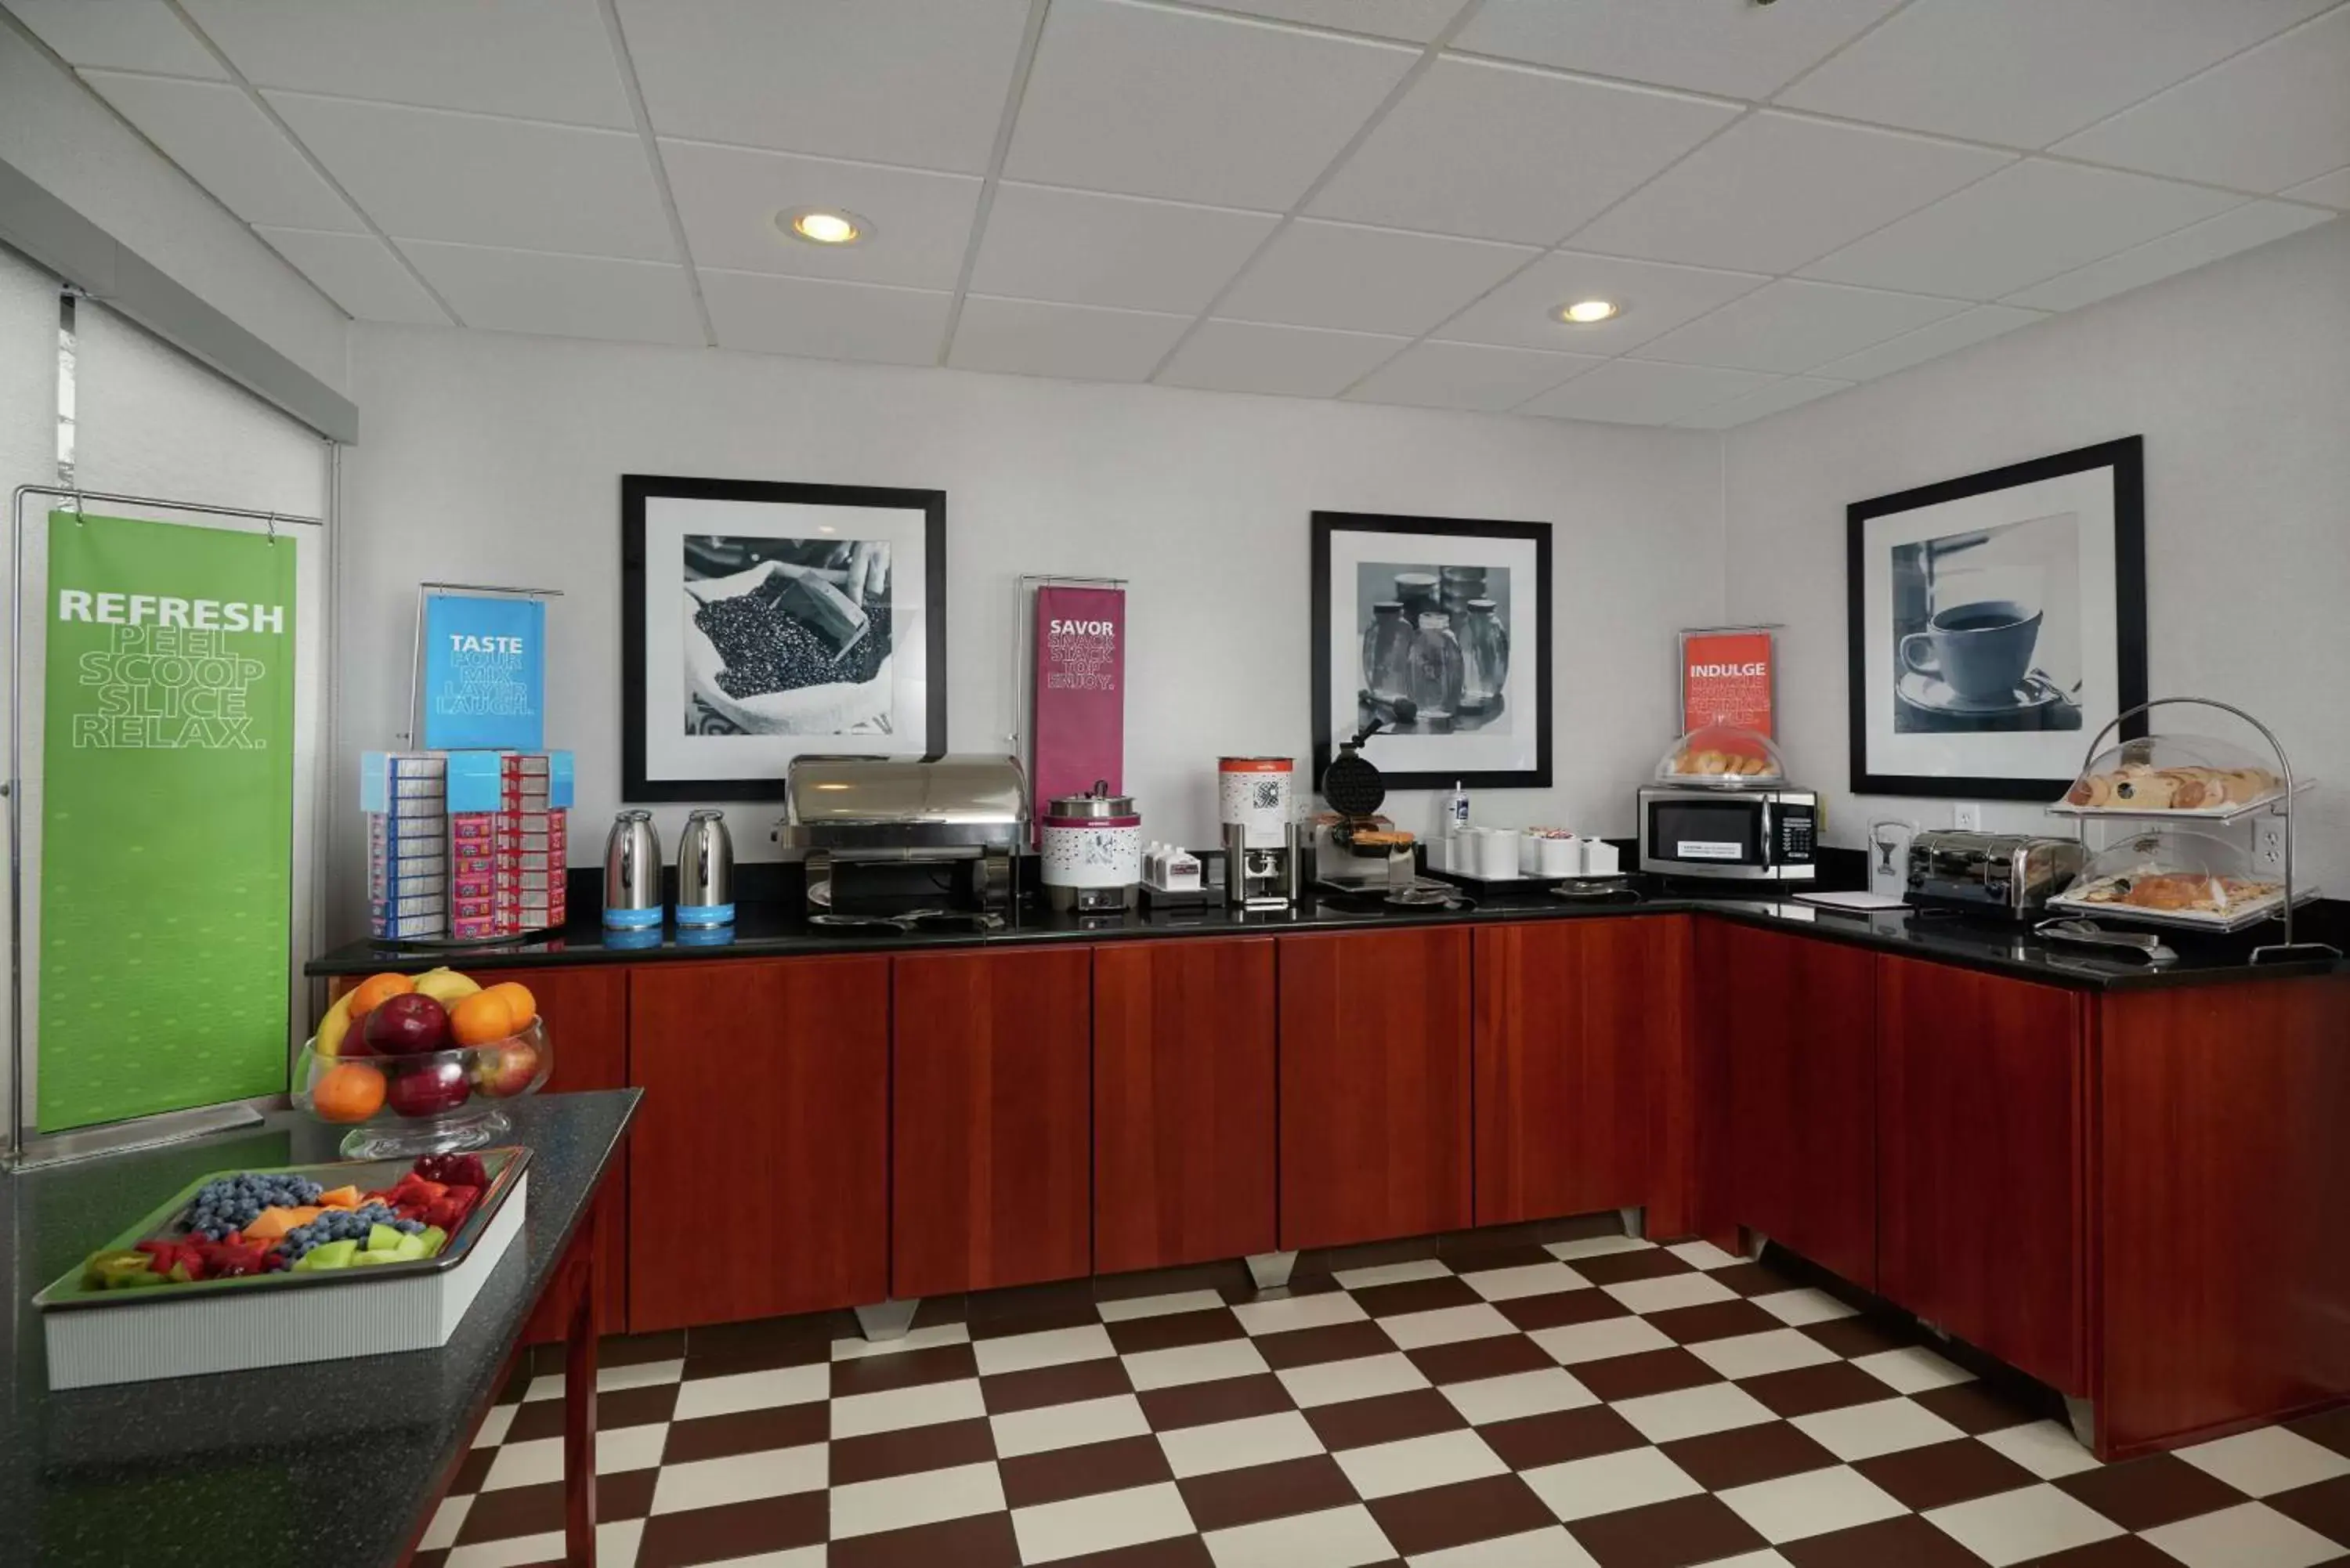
x,y
375,989
482,1018
521,1005
351,1092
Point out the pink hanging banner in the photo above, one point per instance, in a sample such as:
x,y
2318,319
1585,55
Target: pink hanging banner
x,y
1079,725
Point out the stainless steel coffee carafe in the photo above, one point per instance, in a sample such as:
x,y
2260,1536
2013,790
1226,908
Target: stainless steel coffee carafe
x,y
632,873
705,871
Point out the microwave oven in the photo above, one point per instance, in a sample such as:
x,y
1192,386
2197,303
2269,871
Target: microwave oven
x,y
1745,835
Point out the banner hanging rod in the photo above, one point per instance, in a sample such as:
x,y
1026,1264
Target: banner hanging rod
x,y
202,507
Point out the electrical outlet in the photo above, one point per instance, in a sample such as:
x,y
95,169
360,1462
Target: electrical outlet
x,y
2268,844
1967,816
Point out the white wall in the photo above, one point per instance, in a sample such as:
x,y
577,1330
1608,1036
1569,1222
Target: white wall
x,y
2238,375
496,458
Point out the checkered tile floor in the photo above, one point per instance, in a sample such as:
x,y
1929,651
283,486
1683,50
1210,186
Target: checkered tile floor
x,y
1601,1401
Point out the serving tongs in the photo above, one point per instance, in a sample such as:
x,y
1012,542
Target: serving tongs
x,y
2083,933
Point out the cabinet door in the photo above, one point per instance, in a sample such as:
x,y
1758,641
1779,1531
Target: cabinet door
x,y
1582,1078
1784,1030
759,1181
990,1114
1374,1085
1183,1086
1982,1169
586,1013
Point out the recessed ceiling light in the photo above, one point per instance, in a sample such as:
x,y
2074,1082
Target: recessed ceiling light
x,y
822,226
1587,312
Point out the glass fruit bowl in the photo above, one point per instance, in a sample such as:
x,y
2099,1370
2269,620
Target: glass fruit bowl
x,y
427,1102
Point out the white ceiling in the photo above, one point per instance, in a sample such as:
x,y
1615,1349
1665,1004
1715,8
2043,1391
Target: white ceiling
x,y
1378,199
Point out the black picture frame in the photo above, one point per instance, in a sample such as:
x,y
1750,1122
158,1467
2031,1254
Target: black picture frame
x,y
636,490
2124,458
1326,525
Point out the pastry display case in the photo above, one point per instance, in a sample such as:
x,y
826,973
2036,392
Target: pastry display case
x,y
2176,776
1722,756
2175,876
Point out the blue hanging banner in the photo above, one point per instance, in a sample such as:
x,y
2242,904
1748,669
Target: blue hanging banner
x,y
484,673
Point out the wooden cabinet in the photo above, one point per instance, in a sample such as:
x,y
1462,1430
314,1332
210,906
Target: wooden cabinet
x,y
1375,1086
1981,1164
990,1114
1582,1078
586,1013
1784,1032
1183,1070
759,1175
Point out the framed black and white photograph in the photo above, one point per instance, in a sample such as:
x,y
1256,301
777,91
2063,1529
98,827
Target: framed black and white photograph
x,y
761,620
1438,628
1996,622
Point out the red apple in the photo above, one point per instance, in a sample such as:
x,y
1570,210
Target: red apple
x,y
408,1025
428,1088
505,1071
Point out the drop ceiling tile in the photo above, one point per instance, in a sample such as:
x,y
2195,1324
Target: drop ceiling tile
x,y
359,272
823,319
2271,117
1789,326
2332,190
1081,246
918,82
1080,342
1469,376
2026,223
1775,191
2023,73
1769,399
1153,102
533,59
916,222
1731,46
1641,393
1944,336
1478,148
215,132
1655,297
469,178
560,296
2237,229
1298,361
1367,280
1416,20
127,34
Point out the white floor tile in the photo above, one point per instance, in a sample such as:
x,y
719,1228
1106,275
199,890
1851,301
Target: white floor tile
x,y
1864,1431
1579,1342
1194,1363
1551,1548
2034,1521
1393,1273
2252,1536
1753,1560
894,1409
615,1547
447,1520
1286,1312
1335,1381
929,1338
1752,1354
1489,1399
1238,1445
1068,1426
1334,1538
1415,1464
1913,1369
617,1542
1528,1280
540,1459
1671,1290
610,1379
2268,1461
1597,1247
1694,1412
900,1502
1104,1522
1446,1326
1811,1503
2048,1451
811,1557
751,1391
1582,1489
742,1478
1796,1308
1053,1348
1160,1306
1704,1255
493,1426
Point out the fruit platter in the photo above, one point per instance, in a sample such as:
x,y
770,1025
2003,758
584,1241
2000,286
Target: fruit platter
x,y
420,1063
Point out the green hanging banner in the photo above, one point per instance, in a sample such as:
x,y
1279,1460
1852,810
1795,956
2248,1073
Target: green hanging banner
x,y
167,818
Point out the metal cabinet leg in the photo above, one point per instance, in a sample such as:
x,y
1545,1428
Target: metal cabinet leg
x,y
2083,1413
1271,1270
1755,1243
888,1320
1635,1221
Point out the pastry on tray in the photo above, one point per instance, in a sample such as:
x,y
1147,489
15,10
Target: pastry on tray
x,y
2136,786
2198,892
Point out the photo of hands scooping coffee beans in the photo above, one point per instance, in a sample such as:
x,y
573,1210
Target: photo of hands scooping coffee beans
x,y
1987,628
786,636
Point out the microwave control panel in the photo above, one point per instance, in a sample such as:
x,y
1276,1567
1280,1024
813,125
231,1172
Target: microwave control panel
x,y
1794,825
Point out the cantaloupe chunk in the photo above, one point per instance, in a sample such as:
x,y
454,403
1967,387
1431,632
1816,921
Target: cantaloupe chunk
x,y
271,1224
340,1198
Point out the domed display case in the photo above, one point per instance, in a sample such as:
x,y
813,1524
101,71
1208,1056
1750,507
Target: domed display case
x,y
2175,876
1722,756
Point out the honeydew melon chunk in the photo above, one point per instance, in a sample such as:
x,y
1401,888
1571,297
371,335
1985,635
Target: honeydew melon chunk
x,y
434,1239
327,1255
383,1238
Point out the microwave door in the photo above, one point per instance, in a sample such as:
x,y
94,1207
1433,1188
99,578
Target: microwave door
x,y
1725,837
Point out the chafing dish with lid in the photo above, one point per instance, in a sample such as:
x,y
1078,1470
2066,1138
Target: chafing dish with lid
x,y
965,818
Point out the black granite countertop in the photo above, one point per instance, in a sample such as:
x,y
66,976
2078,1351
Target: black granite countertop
x,y
774,931
328,1464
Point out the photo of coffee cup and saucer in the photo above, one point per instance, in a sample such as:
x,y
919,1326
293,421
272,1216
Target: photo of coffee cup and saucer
x,y
1973,665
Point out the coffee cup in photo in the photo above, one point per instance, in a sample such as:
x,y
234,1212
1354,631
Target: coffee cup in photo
x,y
1981,650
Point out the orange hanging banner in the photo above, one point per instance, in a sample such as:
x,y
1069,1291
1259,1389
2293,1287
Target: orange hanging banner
x,y
1728,678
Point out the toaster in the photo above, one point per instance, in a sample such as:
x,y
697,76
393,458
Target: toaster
x,y
2007,875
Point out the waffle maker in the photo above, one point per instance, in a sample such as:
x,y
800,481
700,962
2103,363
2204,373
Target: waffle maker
x,y
1353,789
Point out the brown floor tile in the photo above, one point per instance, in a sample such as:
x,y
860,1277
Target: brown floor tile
x,y
727,1348
2331,1428
1232,1498
1907,1542
1027,1309
518,1380
2325,1508
1531,1442
430,1560
985,1541
1754,1280
1228,1278
1182,1552
748,1432
934,1311
1806,1390
1174,1329
880,1454
636,1349
1224,1400
1039,1387
1561,1308
620,1408
1359,1423
1715,1320
1475,1254
517,1510
472,1470
1615,1378
1940,1474
903,1369
1471,1359
739,1529
1332,1341
1851,1336
2140,1494
1745,1454
1975,1408
1621,1268
1093,1468
1442,1516
2121,1551
1415,1295
1674,1534
1367,1255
